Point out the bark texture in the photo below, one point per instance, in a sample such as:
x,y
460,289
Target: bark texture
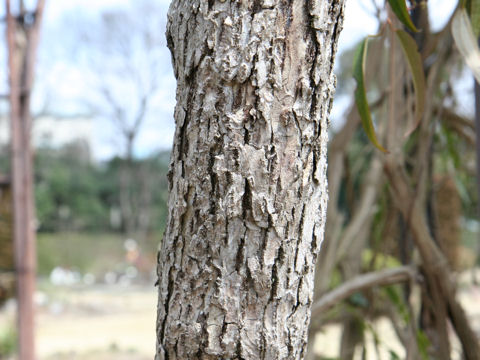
x,y
248,187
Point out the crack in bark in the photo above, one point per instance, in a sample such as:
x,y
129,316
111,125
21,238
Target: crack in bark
x,y
167,302
213,182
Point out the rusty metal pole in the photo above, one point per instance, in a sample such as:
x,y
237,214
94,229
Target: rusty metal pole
x,y
22,40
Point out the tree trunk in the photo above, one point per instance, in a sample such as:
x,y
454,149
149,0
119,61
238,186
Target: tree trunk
x,y
248,188
22,43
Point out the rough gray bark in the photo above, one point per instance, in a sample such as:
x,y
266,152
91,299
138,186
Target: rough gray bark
x,y
248,187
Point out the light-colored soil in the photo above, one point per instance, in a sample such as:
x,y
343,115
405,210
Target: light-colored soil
x,y
111,322
101,323
100,355
102,319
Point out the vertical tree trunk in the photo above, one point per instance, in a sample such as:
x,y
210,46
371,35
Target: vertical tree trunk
x,y
22,41
248,188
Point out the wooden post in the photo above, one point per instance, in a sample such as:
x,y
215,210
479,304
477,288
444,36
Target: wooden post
x,y
22,40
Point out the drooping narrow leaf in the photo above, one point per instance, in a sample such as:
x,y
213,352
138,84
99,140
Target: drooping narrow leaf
x,y
473,10
399,8
361,96
414,60
466,41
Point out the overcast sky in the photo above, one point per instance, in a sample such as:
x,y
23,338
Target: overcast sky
x,y
63,84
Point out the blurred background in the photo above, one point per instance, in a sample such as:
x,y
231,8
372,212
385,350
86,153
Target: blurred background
x,y
102,128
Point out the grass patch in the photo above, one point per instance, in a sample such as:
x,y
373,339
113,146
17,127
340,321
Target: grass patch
x,y
84,252
8,341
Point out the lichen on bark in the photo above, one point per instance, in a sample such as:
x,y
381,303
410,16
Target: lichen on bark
x,y
248,188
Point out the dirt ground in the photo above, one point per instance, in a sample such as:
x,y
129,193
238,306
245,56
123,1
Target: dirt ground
x,y
100,323
111,322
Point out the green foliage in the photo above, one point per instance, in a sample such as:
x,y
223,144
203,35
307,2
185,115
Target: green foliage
x,y
399,8
8,341
415,64
74,251
361,95
359,300
72,194
377,261
473,10
423,344
4,160
394,293
393,355
68,192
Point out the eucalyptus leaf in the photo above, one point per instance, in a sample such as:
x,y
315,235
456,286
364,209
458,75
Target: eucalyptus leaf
x,y
399,8
415,64
361,96
473,10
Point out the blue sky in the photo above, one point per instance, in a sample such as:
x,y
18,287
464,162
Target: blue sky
x,y
64,83
68,82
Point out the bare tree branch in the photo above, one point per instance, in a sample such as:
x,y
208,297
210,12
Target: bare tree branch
x,y
434,263
362,282
451,116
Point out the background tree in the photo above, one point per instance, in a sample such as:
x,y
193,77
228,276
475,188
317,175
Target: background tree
x,y
122,54
75,195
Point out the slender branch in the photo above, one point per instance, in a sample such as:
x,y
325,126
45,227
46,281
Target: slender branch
x,y
434,264
140,116
463,132
119,113
451,116
462,125
362,282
